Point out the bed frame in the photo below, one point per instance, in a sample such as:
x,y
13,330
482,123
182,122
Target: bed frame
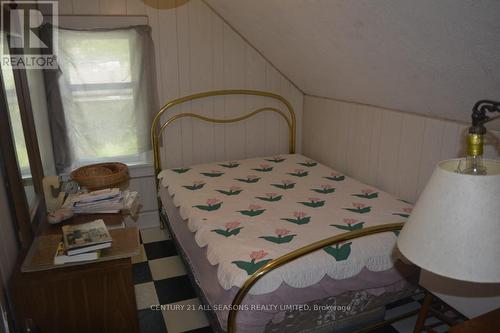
x,y
157,130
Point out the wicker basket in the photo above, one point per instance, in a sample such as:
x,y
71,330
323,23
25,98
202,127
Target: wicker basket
x,y
101,175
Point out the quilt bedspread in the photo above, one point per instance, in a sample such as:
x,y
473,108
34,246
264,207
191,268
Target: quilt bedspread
x,y
251,211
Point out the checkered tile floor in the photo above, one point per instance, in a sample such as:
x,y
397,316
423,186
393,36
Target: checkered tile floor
x,y
160,278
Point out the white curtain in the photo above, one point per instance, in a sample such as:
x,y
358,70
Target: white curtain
x,y
106,92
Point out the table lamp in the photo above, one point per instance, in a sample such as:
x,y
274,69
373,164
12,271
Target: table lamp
x,y
454,228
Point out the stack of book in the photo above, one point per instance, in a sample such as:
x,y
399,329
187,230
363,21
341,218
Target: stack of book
x,y
110,200
82,242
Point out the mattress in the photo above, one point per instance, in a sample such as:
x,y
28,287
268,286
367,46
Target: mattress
x,y
364,292
206,208
249,212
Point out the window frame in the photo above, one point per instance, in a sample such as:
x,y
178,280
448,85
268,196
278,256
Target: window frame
x,y
26,219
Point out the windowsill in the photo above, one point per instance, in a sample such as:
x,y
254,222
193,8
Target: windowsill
x,y
137,169
141,169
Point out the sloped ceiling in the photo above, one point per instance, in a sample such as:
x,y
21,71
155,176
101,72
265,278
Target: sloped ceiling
x,y
434,57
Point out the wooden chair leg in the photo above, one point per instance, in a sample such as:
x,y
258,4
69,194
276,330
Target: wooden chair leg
x,y
422,315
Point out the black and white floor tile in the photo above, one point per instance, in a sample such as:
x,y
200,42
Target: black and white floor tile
x,y
160,279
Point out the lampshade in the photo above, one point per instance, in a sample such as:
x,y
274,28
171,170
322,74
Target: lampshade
x,y
454,228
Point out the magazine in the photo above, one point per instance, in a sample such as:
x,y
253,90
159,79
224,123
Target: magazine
x,y
86,237
61,257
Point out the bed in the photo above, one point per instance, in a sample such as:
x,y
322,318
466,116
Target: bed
x,y
282,243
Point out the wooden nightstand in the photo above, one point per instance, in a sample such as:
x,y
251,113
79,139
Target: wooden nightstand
x,y
89,297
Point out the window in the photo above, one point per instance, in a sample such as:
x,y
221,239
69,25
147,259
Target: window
x,y
107,93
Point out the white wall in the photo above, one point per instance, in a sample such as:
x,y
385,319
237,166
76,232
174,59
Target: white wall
x,y
392,150
197,51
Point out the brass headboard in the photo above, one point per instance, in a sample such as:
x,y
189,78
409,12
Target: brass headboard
x,y
156,134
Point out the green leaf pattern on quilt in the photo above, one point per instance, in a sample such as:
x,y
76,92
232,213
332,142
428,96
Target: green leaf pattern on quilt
x,y
249,179
285,185
298,218
271,197
233,190
299,173
359,208
367,194
253,265
181,170
232,229
213,173
350,225
286,214
308,163
264,168
406,212
313,202
253,210
325,189
230,165
211,205
275,159
282,236
197,185
339,252
336,177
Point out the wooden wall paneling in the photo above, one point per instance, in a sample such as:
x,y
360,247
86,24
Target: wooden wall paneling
x,y
184,63
376,133
307,124
169,84
286,92
492,144
282,90
135,7
89,7
388,150
113,7
154,23
355,117
359,143
431,151
409,156
328,135
450,145
143,186
342,143
462,138
219,103
234,77
297,100
65,7
201,80
255,78
394,151
272,120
